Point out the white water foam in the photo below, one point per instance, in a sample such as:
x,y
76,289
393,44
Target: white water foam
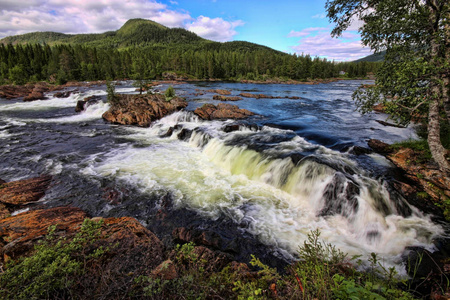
x,y
92,112
50,103
279,202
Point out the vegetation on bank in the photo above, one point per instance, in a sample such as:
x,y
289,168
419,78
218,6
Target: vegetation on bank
x,y
70,268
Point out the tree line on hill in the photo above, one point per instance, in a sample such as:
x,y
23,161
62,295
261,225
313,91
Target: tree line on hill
x,y
60,63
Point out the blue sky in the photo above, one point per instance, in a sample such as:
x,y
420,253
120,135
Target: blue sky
x,y
293,26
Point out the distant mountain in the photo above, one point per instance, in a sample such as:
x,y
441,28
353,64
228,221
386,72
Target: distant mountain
x,y
377,57
135,32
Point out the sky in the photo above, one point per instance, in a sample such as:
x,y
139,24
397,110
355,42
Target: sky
x,y
292,26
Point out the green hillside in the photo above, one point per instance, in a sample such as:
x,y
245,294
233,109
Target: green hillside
x,y
376,57
135,32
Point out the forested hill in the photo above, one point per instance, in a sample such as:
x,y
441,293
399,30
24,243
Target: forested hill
x,y
135,32
143,49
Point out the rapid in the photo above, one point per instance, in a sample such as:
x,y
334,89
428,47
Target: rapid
x,y
275,177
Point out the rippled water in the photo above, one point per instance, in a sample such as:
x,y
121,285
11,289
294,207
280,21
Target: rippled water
x,y
283,173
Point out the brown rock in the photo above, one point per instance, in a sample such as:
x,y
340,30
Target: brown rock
x,y
257,96
15,91
226,98
132,247
220,92
80,106
83,104
34,96
222,111
165,271
21,192
19,234
62,94
379,146
141,110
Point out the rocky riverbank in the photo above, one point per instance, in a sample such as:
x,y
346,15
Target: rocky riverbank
x,y
421,182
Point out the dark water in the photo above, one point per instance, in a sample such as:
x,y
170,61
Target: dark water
x,y
259,189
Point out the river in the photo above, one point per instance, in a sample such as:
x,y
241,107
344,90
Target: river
x,y
285,172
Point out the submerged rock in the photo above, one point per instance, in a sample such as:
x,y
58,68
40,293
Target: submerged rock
x,y
142,110
222,111
219,91
226,98
257,96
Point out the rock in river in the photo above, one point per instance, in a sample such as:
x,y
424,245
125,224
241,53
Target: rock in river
x,y
141,110
14,195
222,111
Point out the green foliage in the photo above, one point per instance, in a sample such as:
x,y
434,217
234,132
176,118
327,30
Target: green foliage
x,y
169,93
18,75
111,92
324,272
50,272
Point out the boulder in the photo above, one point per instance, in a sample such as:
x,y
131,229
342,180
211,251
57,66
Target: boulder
x,y
21,192
222,111
83,104
14,195
34,95
142,110
37,92
219,91
80,106
62,94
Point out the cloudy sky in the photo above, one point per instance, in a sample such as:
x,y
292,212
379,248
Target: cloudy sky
x,y
293,26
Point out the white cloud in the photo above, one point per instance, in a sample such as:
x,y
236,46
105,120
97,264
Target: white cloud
x,y
318,42
87,16
215,29
305,32
319,16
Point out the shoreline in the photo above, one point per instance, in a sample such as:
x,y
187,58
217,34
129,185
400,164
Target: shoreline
x,y
35,90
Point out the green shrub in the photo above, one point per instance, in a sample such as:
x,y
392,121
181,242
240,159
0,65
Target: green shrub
x,y
170,93
53,268
111,95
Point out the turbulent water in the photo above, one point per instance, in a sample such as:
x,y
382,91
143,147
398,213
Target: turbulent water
x,y
281,174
